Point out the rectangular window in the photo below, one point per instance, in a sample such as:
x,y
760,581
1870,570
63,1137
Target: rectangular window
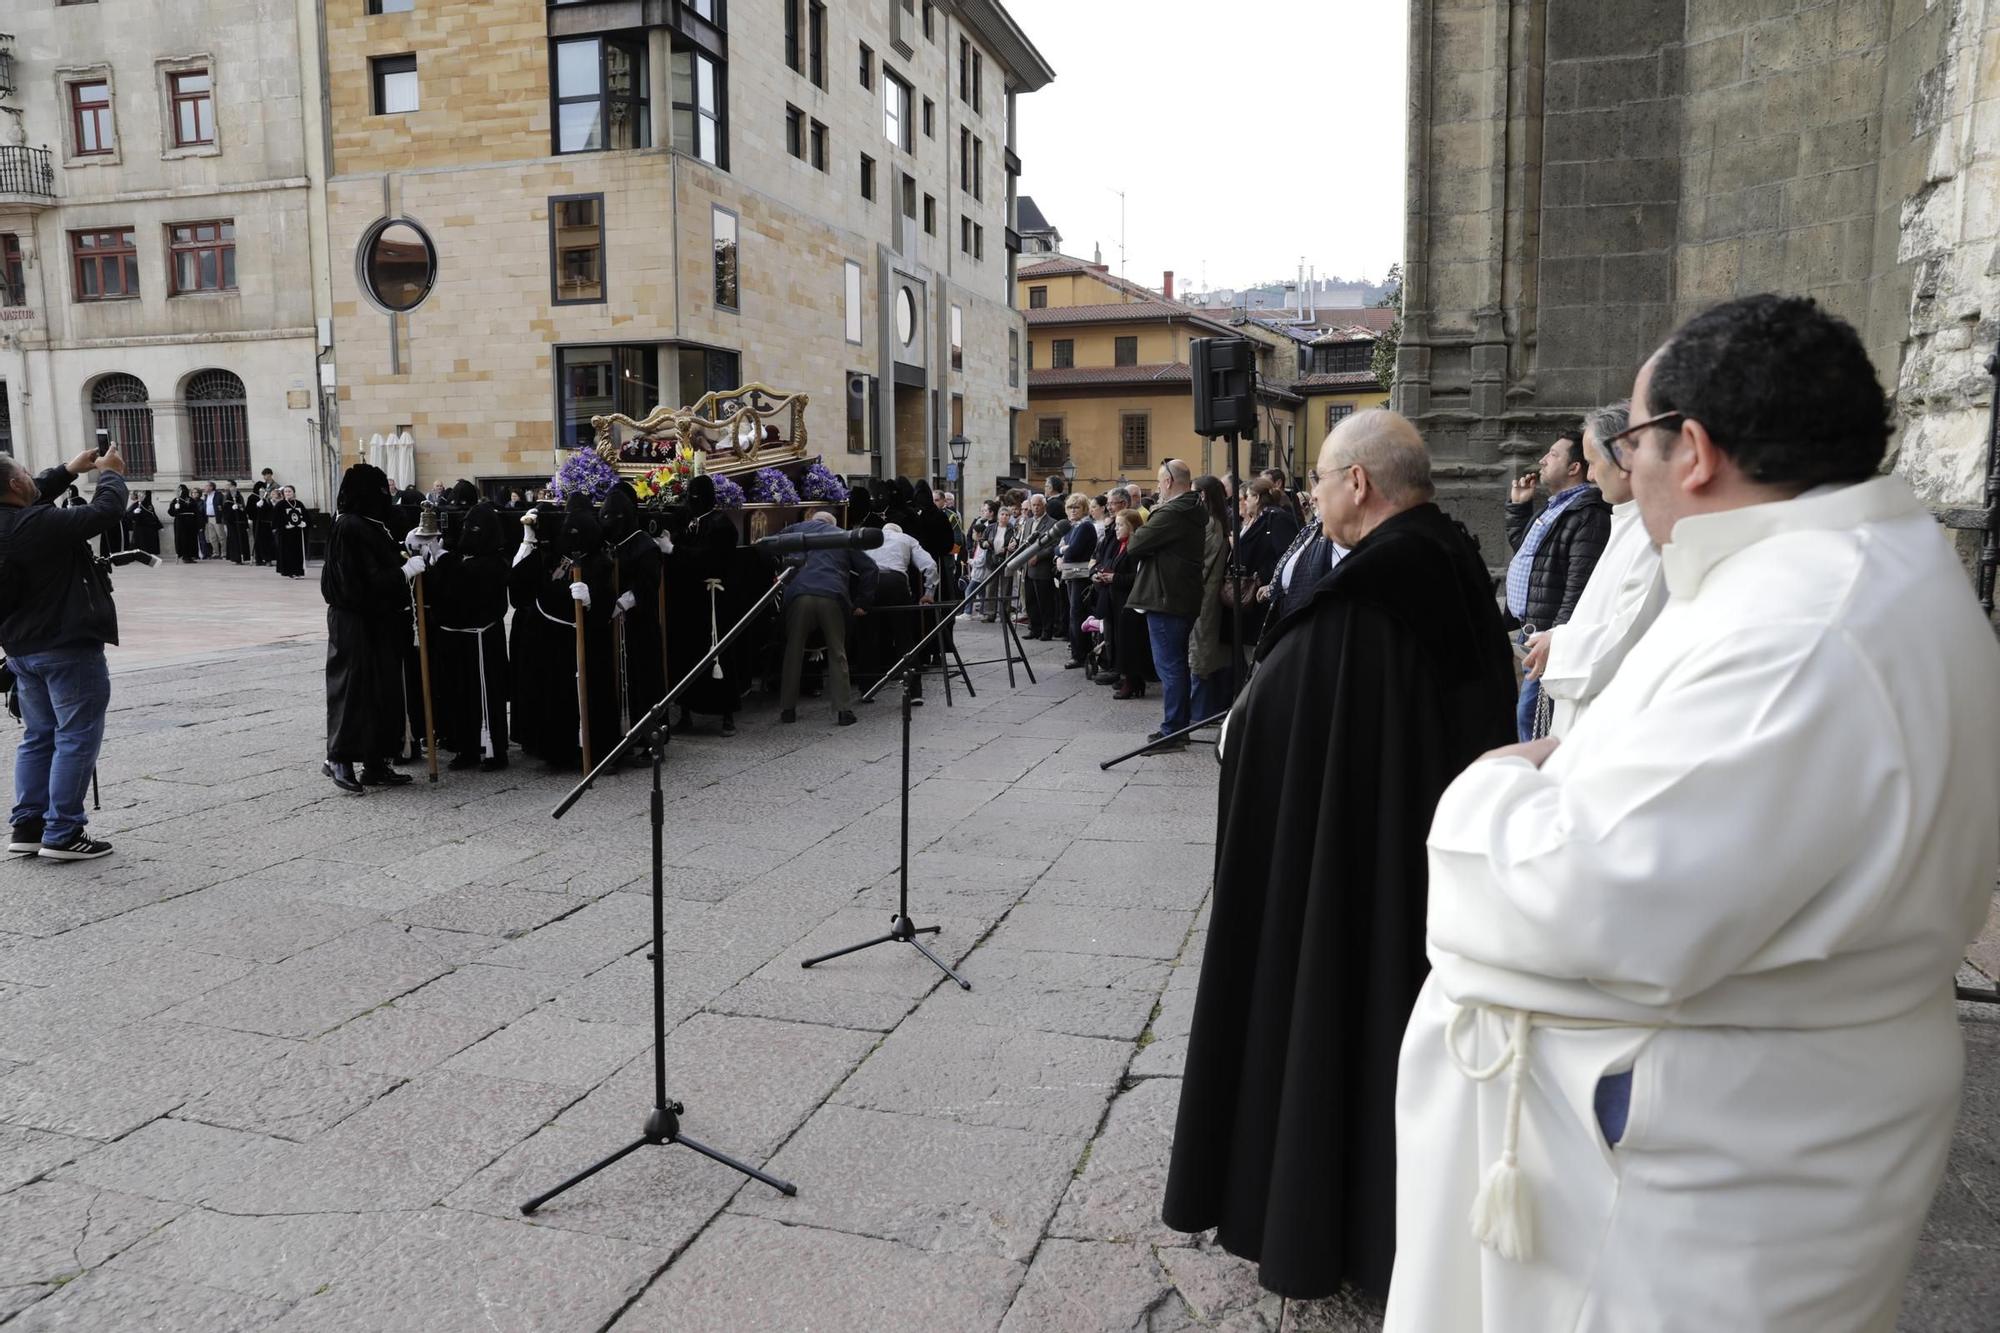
x,y
708,370
958,414
1135,430
1062,353
964,158
602,99
867,66
930,216
390,6
909,196
819,146
978,240
978,168
930,119
794,50
1125,351
978,80
964,234
395,80
964,69
724,228
13,290
1343,358
1050,428
867,176
896,124
1038,298
192,94
852,297
1031,354
597,381
957,339
699,100
795,132
1013,358
203,256
930,21
576,248
1337,413
90,118
816,43
106,264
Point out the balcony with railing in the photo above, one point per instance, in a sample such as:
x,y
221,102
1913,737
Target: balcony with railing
x,y
26,177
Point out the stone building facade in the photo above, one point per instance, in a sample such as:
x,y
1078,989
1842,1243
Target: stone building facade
x,y
1584,174
615,204
154,237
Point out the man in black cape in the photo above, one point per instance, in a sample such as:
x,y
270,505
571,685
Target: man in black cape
x,y
1369,696
366,585
291,534
467,588
705,596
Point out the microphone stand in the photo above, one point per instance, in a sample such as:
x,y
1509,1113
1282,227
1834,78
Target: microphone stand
x,y
902,929
1185,733
663,1125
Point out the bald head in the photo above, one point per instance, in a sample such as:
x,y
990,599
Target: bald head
x,y
1387,447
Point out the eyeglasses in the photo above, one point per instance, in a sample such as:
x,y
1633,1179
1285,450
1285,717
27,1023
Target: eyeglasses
x,y
1616,446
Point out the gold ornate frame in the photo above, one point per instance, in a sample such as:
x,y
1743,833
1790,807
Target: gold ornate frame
x,y
722,415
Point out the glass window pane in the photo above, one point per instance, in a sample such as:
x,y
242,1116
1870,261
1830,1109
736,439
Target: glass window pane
x,y
399,92
682,68
705,78
87,277
577,69
580,127
707,150
229,268
207,279
131,286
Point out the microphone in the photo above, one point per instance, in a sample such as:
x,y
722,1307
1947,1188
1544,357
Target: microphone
x,y
833,539
1032,552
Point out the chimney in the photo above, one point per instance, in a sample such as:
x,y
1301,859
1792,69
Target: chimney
x,y
1167,287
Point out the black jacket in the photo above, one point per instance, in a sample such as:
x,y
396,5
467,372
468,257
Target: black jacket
x,y
1170,543
58,596
1267,538
1563,561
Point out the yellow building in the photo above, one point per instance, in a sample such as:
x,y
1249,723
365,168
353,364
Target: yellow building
x,y
1108,379
1325,361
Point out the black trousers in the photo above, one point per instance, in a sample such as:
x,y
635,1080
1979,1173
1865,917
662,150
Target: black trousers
x,y
1046,608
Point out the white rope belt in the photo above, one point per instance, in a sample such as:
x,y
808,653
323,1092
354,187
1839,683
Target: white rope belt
x,y
485,708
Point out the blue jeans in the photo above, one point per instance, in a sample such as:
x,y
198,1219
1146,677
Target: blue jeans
x,y
1168,636
1211,695
63,697
1524,709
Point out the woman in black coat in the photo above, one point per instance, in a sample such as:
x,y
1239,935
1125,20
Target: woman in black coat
x,y
185,511
1268,530
1077,546
1130,647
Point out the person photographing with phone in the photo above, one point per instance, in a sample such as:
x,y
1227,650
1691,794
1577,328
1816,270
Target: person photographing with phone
x,y
56,615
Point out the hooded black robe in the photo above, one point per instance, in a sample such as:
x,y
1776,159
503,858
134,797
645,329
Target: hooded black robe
x,y
1370,695
367,623
467,594
291,538
235,526
544,668
635,569
185,511
263,524
696,614
142,524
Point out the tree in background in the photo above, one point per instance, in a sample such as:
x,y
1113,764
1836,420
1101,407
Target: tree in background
x,y
1384,362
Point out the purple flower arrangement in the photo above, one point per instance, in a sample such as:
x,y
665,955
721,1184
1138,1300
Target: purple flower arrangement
x,y
772,487
822,484
584,472
728,495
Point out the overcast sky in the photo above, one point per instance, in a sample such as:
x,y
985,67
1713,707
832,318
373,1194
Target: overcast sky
x,y
1244,134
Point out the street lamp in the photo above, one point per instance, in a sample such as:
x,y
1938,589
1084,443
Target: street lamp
x,y
1068,468
960,449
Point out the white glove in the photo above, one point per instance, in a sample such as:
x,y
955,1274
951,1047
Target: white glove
x,y
626,601
413,566
580,593
528,520
665,543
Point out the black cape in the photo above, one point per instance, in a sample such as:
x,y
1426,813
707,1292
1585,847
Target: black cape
x,y
291,538
186,515
368,626
1370,696
542,648
467,598
696,615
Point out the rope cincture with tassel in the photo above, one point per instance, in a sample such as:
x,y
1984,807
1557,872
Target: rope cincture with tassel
x,y
714,633
1502,1216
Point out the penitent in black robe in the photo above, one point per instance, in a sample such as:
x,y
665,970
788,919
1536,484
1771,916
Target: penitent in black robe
x,y
544,658
186,514
1369,697
292,527
467,592
697,614
367,627
143,525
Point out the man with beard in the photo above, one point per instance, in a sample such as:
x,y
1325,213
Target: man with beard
x,y
366,585
1371,693
704,598
467,588
291,535
546,590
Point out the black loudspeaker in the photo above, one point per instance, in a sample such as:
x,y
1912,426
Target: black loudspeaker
x,y
1225,386
857,396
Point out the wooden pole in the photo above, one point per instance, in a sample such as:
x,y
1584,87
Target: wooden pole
x,y
424,675
582,691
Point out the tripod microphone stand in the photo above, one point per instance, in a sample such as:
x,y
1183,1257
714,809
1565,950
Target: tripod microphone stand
x,y
901,928
663,1125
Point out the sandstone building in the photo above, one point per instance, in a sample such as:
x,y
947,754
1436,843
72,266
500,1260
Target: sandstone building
x,y
154,238
1583,174
538,211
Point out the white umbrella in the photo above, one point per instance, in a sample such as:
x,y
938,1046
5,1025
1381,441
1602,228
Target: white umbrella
x,y
406,460
375,451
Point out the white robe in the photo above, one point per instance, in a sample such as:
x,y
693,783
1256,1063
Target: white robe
x,y
1748,877
1619,604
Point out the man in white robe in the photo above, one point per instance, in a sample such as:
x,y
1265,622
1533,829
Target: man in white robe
x,y
1688,1058
1575,660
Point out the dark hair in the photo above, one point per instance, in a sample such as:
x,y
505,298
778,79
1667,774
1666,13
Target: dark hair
x,y
1573,437
1214,497
1782,386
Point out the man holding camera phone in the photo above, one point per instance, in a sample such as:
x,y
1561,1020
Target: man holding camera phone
x,y
56,615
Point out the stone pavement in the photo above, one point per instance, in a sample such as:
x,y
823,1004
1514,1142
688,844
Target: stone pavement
x,y
291,1059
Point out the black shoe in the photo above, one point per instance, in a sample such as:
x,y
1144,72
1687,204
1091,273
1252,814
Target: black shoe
x,y
493,765
343,777
381,775
846,719
460,762
1073,666
415,756
80,846
27,839
789,715
728,725
1155,738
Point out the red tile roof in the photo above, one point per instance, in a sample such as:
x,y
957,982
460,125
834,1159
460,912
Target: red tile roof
x,y
1121,312
1346,379
1171,372
1059,266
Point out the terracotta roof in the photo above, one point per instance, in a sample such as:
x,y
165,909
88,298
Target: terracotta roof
x,y
1119,312
1059,266
1172,372
1345,379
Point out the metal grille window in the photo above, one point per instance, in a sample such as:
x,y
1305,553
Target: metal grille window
x,y
107,264
120,405
1062,353
203,255
90,118
1337,413
1344,358
1125,352
13,290
1135,439
218,425
193,95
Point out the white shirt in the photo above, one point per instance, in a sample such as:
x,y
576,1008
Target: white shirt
x,y
1618,605
899,551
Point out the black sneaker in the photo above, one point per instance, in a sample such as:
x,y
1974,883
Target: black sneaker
x,y
846,719
27,839
789,715
80,847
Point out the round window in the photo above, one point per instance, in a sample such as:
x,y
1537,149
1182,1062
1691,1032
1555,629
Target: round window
x,y
398,264
906,316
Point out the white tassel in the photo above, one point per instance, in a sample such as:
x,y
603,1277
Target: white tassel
x,y
1503,1214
